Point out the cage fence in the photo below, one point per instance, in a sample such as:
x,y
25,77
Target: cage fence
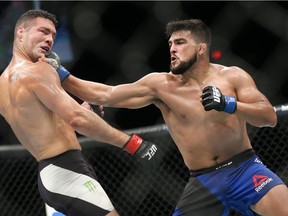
x,y
133,190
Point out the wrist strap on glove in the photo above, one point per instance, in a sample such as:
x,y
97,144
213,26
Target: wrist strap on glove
x,y
230,104
63,73
133,144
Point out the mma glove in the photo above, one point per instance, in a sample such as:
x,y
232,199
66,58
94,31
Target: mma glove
x,y
212,98
144,152
54,61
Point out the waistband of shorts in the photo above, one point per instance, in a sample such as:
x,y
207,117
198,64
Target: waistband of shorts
x,y
234,161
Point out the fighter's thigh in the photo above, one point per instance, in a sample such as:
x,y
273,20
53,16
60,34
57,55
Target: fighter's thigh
x,y
80,207
199,200
274,203
70,191
113,213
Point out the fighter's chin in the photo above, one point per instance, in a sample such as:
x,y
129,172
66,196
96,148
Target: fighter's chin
x,y
175,70
41,53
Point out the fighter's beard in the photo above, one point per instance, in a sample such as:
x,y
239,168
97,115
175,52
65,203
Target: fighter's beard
x,y
183,66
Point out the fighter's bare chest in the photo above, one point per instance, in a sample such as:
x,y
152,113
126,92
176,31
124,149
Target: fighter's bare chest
x,y
181,101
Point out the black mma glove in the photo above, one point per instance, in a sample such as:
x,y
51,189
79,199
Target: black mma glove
x,y
54,61
144,152
212,98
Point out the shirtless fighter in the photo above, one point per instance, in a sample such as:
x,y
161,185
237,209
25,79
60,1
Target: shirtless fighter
x,y
44,118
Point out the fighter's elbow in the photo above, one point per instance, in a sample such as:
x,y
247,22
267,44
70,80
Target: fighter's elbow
x,y
270,120
104,99
273,119
77,121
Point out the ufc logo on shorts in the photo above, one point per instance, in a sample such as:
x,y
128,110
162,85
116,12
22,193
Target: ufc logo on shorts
x,y
216,94
150,152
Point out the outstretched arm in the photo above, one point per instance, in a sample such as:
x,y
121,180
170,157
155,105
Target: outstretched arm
x,y
132,95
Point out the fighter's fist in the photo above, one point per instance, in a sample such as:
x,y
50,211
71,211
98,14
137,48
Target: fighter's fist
x,y
144,152
54,61
212,98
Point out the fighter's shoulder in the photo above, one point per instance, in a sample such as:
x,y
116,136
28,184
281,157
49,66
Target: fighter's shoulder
x,y
235,74
42,67
231,71
37,75
42,70
156,77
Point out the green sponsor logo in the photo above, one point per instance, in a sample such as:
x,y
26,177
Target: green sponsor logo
x,y
89,185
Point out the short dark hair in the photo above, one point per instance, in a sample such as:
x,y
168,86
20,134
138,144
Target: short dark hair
x,y
196,26
35,13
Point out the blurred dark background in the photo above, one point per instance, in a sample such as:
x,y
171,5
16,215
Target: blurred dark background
x,y
119,42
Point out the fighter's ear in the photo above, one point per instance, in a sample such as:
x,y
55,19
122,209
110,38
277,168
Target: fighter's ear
x,y
202,47
20,32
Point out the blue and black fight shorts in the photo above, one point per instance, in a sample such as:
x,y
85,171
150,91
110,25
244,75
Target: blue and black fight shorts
x,y
235,184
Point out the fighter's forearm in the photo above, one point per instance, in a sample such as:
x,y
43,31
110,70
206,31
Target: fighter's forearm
x,y
122,96
91,92
92,126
